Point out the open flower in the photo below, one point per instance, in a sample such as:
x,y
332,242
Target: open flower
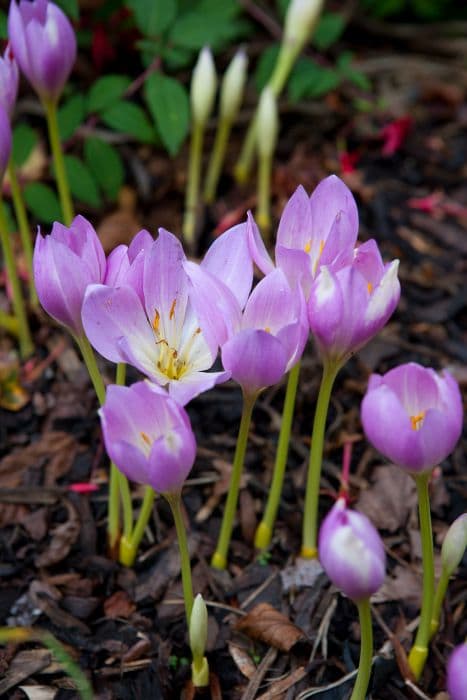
x,y
65,263
44,45
413,415
148,435
349,306
351,552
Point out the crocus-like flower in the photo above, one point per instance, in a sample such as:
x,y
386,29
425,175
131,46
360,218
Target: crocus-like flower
x,y
9,77
456,675
351,552
349,306
125,263
5,141
203,86
65,263
44,45
148,435
413,415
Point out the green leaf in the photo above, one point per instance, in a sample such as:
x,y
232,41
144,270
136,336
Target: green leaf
x,y
153,17
3,25
82,183
105,164
346,70
24,140
169,105
106,92
70,116
70,7
266,65
309,79
131,119
211,23
43,202
330,27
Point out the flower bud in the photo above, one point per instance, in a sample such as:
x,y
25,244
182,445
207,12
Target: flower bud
x,y
203,86
233,85
268,123
454,544
198,637
300,21
456,673
351,552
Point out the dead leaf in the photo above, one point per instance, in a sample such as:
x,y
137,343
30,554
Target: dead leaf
x,y
119,605
268,625
390,499
404,585
121,225
277,688
302,574
242,660
63,538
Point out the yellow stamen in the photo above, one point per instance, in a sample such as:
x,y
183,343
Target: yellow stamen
x,y
417,420
145,438
369,286
321,248
307,246
156,322
172,310
267,329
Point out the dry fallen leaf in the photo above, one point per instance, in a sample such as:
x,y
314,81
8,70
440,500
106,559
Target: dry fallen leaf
x,y
63,538
266,624
242,660
119,605
404,584
390,499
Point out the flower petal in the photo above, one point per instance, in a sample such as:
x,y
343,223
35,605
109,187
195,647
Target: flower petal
x,y
258,251
255,359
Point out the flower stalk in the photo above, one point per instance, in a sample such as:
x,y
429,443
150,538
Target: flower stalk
x,y
366,651
23,225
175,502
50,107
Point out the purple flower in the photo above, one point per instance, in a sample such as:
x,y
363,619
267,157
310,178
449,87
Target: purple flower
x,y
44,45
161,333
313,231
413,416
148,435
125,263
349,306
5,141
456,673
65,263
9,77
351,552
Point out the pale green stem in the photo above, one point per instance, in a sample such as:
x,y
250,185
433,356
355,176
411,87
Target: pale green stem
x,y
217,159
23,225
263,211
61,177
174,500
91,365
26,346
193,185
366,651
265,528
419,652
219,558
129,544
438,601
10,323
123,485
310,517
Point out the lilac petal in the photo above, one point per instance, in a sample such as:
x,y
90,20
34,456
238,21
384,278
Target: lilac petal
x,y
82,239
258,251
141,241
296,225
326,308
456,675
195,383
368,261
331,199
384,299
255,359
415,386
16,34
142,356
229,259
170,461
272,304
438,436
112,313
118,265
296,265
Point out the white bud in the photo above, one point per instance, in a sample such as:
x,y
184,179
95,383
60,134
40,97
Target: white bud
x,y
454,544
198,627
268,123
203,86
300,20
233,85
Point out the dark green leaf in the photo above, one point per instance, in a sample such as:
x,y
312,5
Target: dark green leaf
x,y
153,17
346,70
282,6
309,79
170,107
70,7
330,27
105,164
70,116
266,65
3,25
24,140
130,119
43,202
106,91
211,23
82,183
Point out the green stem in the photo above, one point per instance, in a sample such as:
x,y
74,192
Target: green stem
x,y
174,500
123,485
263,212
25,342
82,684
193,185
310,517
129,544
23,225
217,159
91,365
438,601
10,323
61,177
419,652
265,528
219,558
366,651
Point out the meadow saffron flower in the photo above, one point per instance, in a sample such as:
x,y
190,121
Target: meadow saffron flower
x,y
351,552
9,78
44,45
148,435
413,415
456,673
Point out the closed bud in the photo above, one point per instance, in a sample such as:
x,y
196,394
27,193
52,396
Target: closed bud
x,y
198,637
203,86
300,21
454,544
268,123
233,85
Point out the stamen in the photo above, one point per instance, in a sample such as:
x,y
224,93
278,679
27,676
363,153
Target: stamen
x,y
321,248
417,421
307,247
156,322
267,329
172,310
369,286
145,438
